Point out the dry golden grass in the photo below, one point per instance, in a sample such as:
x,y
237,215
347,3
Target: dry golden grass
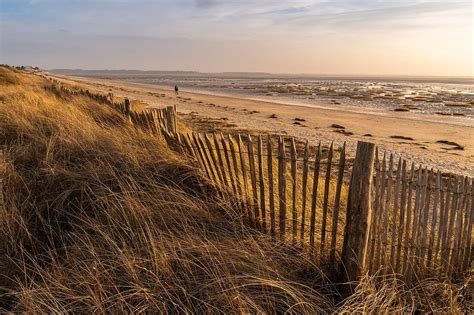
x,y
99,217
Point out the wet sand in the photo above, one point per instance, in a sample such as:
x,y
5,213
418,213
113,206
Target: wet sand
x,y
408,134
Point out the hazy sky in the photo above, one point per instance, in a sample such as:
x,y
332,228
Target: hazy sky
x,y
408,37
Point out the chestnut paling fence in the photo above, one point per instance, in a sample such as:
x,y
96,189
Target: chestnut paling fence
x,y
373,214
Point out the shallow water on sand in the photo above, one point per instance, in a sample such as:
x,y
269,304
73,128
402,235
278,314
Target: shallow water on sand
x,y
431,96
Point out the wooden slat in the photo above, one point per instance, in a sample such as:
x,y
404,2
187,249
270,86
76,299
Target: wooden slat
x,y
464,226
380,209
314,198
156,126
211,168
150,122
244,176
132,118
294,214
139,120
262,184
179,143
425,217
175,117
469,244
396,203
375,211
215,163
282,186
418,190
452,218
162,121
465,236
304,190
326,198
337,204
199,153
401,222
441,222
253,178
220,161
270,185
201,156
189,149
434,219
232,178
448,196
387,214
417,262
156,123
239,188
146,125
458,226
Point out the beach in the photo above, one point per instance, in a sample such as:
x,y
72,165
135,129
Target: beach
x,y
435,141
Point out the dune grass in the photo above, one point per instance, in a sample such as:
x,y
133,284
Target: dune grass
x,y
98,217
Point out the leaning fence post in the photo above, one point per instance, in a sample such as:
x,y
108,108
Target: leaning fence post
x,y
358,219
128,107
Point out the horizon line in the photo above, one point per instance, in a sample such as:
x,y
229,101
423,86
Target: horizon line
x,y
275,73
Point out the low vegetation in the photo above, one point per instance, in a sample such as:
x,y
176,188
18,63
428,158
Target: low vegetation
x,y
97,216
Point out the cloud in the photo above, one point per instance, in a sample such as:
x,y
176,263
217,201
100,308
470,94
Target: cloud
x,y
387,14
206,3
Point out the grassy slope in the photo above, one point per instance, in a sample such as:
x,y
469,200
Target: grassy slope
x,y
99,217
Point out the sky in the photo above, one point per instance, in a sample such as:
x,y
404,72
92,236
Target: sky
x,y
352,37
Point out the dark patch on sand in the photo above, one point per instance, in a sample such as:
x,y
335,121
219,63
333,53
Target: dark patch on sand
x,y
337,126
402,138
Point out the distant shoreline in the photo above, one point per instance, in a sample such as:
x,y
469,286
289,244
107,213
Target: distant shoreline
x,y
264,75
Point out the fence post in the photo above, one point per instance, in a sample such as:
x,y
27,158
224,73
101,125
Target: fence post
x,y
358,219
128,107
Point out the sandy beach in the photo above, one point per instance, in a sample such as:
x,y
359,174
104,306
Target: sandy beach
x,y
444,143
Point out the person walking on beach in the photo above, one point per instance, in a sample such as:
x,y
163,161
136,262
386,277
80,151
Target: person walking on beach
x,y
176,90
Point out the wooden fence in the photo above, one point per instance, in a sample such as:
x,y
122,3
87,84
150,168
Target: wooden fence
x,y
422,221
378,214
157,120
414,222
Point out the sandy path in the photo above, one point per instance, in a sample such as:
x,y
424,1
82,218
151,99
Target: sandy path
x,y
380,124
